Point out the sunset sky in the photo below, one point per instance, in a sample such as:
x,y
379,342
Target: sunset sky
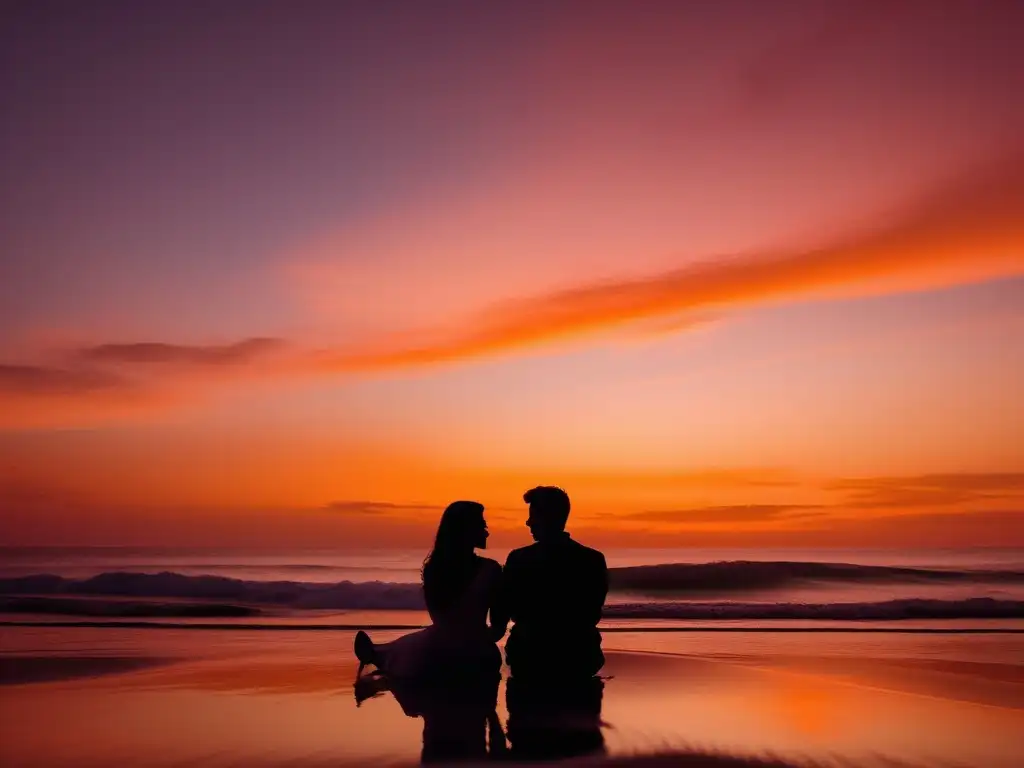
x,y
298,274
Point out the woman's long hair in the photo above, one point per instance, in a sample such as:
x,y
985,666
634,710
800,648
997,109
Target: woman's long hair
x,y
451,564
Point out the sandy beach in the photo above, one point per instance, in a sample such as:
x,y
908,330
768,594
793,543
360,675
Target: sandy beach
x,y
224,698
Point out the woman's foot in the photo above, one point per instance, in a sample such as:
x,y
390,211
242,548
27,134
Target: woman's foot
x,y
365,650
368,686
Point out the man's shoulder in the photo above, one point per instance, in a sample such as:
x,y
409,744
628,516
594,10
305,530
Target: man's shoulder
x,y
588,553
522,553
570,548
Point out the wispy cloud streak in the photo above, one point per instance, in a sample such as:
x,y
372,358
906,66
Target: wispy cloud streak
x,y
969,230
152,352
380,507
53,381
737,513
928,491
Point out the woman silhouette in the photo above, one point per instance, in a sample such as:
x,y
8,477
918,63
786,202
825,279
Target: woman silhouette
x,y
459,588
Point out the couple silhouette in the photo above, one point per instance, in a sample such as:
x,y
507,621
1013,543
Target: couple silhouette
x,y
552,592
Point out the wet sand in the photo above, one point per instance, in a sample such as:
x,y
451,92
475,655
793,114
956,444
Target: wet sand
x,y
22,669
84,697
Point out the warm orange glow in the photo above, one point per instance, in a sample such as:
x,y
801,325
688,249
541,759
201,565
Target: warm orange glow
x,y
730,277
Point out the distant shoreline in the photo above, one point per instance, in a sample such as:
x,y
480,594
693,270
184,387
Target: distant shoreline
x,y
407,627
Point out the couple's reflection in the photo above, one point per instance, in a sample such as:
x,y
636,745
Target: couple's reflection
x,y
460,720
551,719
547,719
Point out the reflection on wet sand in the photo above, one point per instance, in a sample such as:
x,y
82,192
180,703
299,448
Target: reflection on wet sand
x,y
258,675
460,720
547,719
554,719
986,683
801,713
270,700
22,669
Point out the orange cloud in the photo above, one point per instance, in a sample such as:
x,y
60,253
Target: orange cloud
x,y
238,353
45,381
935,490
971,229
733,513
380,507
244,501
114,382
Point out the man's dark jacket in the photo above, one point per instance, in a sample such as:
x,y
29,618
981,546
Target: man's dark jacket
x,y
554,591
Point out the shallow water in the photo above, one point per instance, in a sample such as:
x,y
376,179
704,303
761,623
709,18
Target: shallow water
x,y
164,697
757,586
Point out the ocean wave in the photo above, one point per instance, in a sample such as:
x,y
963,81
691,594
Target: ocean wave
x,y
889,610
123,609
289,594
661,581
751,576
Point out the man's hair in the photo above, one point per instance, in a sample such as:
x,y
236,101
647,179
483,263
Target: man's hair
x,y
550,501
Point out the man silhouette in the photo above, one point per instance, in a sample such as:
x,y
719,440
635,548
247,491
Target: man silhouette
x,y
553,591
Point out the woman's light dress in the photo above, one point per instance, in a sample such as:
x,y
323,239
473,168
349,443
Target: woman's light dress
x,y
458,641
